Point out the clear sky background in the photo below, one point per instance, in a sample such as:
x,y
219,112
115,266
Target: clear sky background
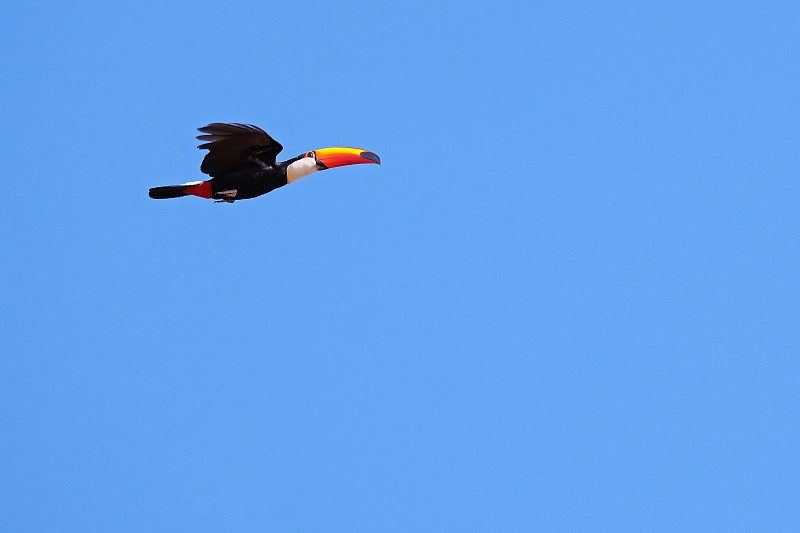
x,y
567,300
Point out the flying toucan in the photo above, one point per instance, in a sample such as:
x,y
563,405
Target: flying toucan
x,y
241,163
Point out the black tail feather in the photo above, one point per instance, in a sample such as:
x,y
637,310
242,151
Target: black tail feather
x,y
170,191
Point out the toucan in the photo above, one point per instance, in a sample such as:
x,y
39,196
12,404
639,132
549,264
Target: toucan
x,y
241,163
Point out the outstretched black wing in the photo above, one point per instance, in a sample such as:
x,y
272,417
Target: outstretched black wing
x,y
231,146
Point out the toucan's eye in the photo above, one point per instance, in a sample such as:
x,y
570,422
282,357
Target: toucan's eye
x,y
310,154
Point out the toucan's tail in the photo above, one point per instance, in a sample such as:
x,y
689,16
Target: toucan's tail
x,y
195,188
170,191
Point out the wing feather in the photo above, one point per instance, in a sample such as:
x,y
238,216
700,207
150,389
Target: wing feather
x,y
230,146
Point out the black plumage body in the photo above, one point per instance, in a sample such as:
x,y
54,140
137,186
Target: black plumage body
x,y
250,181
241,158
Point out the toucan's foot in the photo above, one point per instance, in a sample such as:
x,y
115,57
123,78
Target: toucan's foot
x,y
227,201
227,196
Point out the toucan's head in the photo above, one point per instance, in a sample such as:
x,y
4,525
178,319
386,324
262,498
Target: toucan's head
x,y
328,158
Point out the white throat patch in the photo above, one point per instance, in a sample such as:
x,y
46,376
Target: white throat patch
x,y
300,169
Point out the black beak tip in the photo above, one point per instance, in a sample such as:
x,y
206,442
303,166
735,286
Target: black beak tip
x,y
371,156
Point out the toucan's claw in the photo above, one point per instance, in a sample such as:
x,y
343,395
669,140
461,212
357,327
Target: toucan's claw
x,y
228,196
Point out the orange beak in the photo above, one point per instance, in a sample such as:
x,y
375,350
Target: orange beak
x,y
337,157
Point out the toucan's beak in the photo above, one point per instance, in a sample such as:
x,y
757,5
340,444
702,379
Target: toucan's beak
x,y
337,157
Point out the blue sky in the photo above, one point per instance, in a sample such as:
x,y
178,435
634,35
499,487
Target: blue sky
x,y
567,300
